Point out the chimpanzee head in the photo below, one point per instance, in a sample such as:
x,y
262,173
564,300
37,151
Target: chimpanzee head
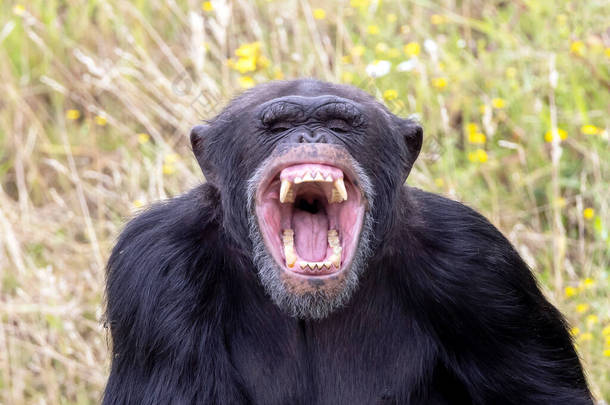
x,y
308,175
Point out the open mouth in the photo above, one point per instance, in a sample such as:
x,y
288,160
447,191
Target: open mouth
x,y
310,215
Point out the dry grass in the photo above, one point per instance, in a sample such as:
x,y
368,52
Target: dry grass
x,y
97,97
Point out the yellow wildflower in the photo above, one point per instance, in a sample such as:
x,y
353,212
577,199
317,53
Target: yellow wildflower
x,y
246,82
207,6
372,29
358,50
548,136
347,77
588,282
171,158
476,138
346,59
577,48
582,308
143,138
244,65
438,19
483,108
319,14
405,29
390,94
168,169
263,62
472,127
439,182
412,49
381,47
591,320
606,352
479,155
249,50
100,120
606,331
511,72
498,103
391,18
585,337
575,331
138,203
590,130
588,213
570,291
393,53
607,52
72,114
361,4
439,82
18,9
277,73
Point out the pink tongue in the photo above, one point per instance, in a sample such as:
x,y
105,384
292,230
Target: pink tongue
x,y
310,235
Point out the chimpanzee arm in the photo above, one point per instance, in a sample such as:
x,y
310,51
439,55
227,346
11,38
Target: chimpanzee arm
x,y
500,337
165,295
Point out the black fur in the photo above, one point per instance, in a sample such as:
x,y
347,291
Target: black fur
x,y
446,312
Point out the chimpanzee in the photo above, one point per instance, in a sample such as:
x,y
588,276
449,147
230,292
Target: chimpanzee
x,y
305,271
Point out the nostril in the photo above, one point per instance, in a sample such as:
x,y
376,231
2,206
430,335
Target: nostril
x,y
302,139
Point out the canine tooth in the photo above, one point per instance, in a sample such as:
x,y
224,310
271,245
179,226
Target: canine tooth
x,y
298,180
307,177
340,186
291,257
289,253
333,241
335,197
336,259
329,178
319,177
285,190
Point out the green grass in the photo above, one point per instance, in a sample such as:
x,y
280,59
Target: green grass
x,y
503,73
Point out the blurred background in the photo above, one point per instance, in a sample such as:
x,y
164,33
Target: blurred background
x,y
97,99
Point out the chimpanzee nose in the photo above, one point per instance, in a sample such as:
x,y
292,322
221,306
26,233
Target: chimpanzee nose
x,y
304,135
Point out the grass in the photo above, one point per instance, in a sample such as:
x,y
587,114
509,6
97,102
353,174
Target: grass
x,y
98,97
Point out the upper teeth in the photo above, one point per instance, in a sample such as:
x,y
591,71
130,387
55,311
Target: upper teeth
x,y
312,176
338,193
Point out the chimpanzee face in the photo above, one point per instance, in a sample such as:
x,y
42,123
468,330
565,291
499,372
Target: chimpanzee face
x,y
317,161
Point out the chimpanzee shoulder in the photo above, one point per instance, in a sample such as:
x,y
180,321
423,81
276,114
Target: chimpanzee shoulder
x,y
170,254
468,284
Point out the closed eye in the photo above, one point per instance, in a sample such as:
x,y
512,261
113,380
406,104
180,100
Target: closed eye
x,y
338,126
279,128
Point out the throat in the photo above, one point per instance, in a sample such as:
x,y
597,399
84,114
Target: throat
x,y
310,234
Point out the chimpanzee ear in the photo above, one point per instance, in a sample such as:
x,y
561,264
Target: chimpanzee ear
x,y
200,143
411,134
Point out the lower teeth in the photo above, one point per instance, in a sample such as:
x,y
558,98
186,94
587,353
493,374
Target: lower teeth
x,y
291,256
